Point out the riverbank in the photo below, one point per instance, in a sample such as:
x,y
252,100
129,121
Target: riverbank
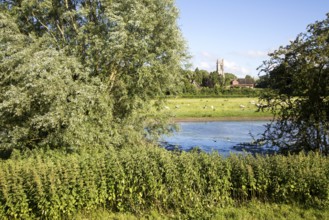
x,y
216,109
210,119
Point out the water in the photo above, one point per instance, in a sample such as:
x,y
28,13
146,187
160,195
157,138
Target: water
x,y
219,136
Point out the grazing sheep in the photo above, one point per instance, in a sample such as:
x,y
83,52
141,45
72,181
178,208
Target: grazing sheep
x,y
166,107
242,106
261,105
177,106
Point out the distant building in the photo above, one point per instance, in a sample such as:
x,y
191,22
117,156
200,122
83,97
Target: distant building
x,y
220,68
241,82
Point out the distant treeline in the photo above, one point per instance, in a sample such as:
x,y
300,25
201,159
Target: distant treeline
x,y
204,83
224,93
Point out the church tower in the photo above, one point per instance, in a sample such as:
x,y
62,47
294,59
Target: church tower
x,y
220,68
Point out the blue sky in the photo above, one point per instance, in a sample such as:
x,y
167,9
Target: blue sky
x,y
243,32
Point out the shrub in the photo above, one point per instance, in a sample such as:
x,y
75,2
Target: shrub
x,y
53,185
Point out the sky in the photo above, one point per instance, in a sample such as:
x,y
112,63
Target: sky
x,y
243,32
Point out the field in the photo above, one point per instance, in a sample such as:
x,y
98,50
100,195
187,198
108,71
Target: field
x,y
215,109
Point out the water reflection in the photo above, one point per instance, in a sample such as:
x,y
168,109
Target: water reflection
x,y
219,136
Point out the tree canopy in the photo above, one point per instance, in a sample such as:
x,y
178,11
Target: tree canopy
x,y
81,72
298,79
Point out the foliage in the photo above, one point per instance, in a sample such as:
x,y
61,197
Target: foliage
x,y
53,185
203,78
191,91
47,98
298,79
201,82
80,72
229,77
262,82
249,79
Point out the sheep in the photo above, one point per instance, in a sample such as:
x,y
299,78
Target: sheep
x,y
261,105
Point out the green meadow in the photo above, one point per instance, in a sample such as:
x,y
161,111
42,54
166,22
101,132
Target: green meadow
x,y
216,109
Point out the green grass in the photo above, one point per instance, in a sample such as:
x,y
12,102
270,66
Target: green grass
x,y
251,211
215,108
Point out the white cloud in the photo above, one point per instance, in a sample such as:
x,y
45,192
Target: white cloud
x,y
254,53
205,65
232,67
257,53
206,54
205,60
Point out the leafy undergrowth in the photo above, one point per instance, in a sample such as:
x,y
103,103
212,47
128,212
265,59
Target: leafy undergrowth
x,y
137,180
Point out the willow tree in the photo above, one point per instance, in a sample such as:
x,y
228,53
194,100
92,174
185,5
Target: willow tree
x,y
298,93
47,97
85,70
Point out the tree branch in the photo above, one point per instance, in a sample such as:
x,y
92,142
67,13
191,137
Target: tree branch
x,y
73,22
112,79
61,30
45,26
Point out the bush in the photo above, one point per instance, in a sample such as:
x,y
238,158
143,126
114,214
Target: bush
x,y
53,185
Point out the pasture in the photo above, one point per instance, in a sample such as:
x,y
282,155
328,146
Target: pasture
x,y
215,109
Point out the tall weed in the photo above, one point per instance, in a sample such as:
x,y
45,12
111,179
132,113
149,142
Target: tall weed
x,y
54,185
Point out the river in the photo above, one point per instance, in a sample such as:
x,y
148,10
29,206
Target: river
x,y
220,136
